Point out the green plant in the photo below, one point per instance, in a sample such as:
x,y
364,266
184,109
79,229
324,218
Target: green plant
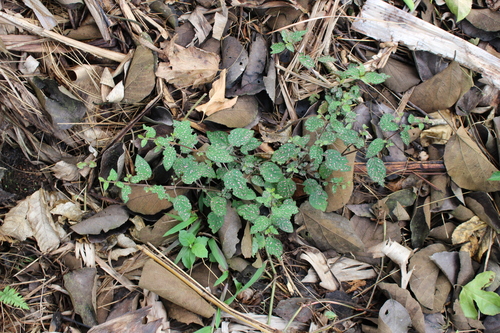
x,y
11,297
488,302
83,165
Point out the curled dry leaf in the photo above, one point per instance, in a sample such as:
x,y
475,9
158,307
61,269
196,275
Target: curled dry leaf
x,y
393,318
318,262
109,218
188,66
217,100
466,164
245,113
234,59
397,253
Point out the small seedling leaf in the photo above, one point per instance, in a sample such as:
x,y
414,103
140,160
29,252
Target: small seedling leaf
x,y
375,147
376,170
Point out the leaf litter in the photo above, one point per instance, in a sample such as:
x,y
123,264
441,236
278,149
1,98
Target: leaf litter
x,y
400,250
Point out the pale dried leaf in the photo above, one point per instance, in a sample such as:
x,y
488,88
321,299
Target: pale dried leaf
x,y
45,231
397,253
217,100
140,79
228,233
109,218
318,262
16,223
65,171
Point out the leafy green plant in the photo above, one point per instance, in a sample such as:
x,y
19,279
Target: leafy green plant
x,y
83,165
488,302
11,297
495,176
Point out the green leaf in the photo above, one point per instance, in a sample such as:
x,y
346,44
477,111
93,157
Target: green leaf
x,y
286,188
277,48
387,123
218,205
234,180
286,210
169,156
215,222
199,248
150,131
240,136
183,207
219,154
285,153
186,238
325,59
335,161
258,180
488,302
274,247
293,37
495,176
206,329
188,258
460,8
306,60
222,278
180,226
376,170
252,144
271,172
260,224
317,196
142,169
183,132
249,212
283,223
375,78
217,254
218,138
375,147
125,192
112,175
314,123
158,190
11,297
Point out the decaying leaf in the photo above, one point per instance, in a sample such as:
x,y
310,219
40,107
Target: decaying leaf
x,y
339,197
81,285
393,318
189,67
234,59
140,79
160,281
217,100
318,262
148,203
401,76
472,235
466,164
109,218
484,19
245,113
329,230
443,89
397,253
134,321
228,233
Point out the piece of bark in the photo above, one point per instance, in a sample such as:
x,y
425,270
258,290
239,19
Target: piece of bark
x,y
387,23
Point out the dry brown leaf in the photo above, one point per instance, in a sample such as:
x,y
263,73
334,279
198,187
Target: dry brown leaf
x,y
404,297
484,19
217,100
397,253
256,61
189,67
109,218
234,59
148,203
443,89
318,262
471,235
425,274
134,321
245,113
81,286
402,76
140,79
466,164
228,233
329,230
160,281
393,318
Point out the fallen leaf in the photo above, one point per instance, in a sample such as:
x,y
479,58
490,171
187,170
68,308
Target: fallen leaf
x,y
472,235
481,206
398,254
404,297
217,100
393,318
228,233
329,230
234,59
443,89
256,61
109,218
189,67
425,274
140,79
81,286
293,309
484,19
466,164
245,113
401,75
148,203
135,321
347,269
448,263
488,302
160,281
339,198
200,24
318,261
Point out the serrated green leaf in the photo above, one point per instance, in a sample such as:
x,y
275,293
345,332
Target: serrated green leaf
x,y
125,192
112,175
183,207
293,36
283,223
183,132
405,135
142,169
286,210
317,196
260,224
200,249
286,188
387,123
375,147
234,180
252,144
271,172
335,161
240,136
274,247
186,238
215,222
150,132
325,59
218,138
314,123
375,78
258,180
285,153
488,302
460,8
249,212
306,60
218,205
158,190
376,170
277,48
219,154
169,156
